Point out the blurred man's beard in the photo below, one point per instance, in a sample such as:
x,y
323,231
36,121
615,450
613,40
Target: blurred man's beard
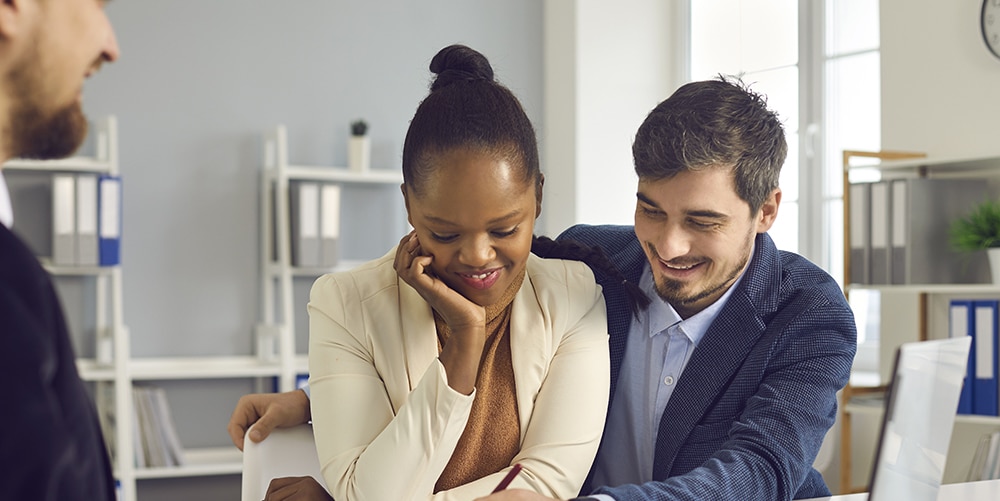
x,y
55,135
39,128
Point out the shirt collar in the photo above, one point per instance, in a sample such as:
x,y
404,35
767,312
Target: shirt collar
x,y
6,210
662,316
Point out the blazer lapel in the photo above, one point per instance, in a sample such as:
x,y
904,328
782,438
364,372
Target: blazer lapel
x,y
717,358
530,346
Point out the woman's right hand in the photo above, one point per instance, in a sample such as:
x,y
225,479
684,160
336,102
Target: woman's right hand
x,y
467,320
415,269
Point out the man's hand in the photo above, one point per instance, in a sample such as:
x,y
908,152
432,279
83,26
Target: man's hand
x,y
516,495
269,411
296,489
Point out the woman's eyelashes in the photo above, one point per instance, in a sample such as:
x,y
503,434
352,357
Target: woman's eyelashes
x,y
451,237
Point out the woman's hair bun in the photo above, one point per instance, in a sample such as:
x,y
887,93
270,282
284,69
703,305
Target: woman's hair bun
x,y
458,63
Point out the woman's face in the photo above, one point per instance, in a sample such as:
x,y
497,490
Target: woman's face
x,y
475,215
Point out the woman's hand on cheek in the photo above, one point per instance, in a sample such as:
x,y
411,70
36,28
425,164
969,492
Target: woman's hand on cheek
x,y
415,269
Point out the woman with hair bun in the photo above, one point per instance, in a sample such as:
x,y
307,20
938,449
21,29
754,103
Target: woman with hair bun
x,y
472,345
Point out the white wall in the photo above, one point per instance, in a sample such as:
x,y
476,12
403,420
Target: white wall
x,y
939,84
198,85
607,64
939,81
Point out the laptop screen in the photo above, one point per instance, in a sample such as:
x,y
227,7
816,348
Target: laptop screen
x,y
920,409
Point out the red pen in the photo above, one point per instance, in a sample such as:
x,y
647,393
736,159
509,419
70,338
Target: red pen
x,y
508,479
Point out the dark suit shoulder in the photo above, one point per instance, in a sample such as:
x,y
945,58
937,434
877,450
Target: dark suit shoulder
x,y
611,238
22,278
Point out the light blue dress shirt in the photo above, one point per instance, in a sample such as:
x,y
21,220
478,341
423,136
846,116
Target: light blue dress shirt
x,y
659,346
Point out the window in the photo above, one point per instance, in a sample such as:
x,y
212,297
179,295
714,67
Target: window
x,y
757,39
818,65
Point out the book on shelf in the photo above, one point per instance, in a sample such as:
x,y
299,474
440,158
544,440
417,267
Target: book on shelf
x,y
978,319
986,460
860,233
106,418
109,220
329,219
63,219
166,427
985,388
86,220
960,322
879,271
157,443
304,206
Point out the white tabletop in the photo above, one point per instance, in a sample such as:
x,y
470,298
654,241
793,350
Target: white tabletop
x,y
969,491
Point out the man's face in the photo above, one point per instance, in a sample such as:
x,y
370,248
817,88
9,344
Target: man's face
x,y
68,40
697,234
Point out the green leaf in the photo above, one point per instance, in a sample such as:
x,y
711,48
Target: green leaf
x,y
980,229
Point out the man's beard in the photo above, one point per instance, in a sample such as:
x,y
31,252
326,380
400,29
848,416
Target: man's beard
x,y
38,128
42,137
671,290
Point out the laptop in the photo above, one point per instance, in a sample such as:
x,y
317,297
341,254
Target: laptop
x,y
920,407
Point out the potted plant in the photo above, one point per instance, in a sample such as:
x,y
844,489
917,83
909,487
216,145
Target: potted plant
x,y
359,147
980,230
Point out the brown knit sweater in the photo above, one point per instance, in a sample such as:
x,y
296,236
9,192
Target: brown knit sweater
x,y
492,437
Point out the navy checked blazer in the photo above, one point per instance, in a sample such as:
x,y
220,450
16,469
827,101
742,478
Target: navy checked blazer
x,y
758,394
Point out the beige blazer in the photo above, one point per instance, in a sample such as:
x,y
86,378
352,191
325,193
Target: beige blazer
x,y
386,421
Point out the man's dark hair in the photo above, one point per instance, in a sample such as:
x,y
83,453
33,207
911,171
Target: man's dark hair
x,y
714,124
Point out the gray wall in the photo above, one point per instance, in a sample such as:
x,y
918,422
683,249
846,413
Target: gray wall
x,y
198,84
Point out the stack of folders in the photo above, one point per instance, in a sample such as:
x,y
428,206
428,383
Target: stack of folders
x,y
315,223
156,441
86,219
899,231
986,461
978,319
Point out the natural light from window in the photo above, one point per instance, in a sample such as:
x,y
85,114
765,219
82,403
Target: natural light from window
x,y
818,65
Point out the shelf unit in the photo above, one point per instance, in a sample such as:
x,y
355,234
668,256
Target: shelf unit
x,y
276,331
920,303
121,371
111,332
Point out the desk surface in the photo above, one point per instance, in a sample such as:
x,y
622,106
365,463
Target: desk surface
x,y
969,491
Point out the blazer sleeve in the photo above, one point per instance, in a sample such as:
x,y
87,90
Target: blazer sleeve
x,y
769,449
561,438
366,451
52,448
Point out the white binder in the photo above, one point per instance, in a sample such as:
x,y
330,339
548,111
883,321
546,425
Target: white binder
x,y
63,219
330,224
86,220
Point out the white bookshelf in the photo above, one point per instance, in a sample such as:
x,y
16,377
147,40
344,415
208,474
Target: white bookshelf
x,y
912,312
112,337
122,370
278,306
199,462
170,368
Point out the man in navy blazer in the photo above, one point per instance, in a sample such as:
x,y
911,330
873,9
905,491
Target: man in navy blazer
x,y
725,385
51,447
